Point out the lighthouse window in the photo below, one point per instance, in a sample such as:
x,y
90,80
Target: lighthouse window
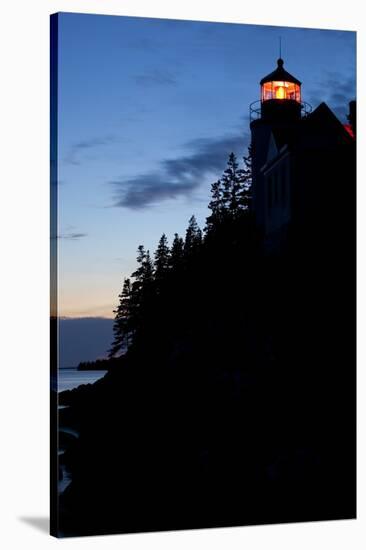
x,y
281,90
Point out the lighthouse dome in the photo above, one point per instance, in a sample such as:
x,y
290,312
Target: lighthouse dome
x,y
280,74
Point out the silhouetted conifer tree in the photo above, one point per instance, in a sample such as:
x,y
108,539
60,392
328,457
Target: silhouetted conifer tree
x,y
193,238
121,326
216,206
145,272
232,184
138,274
177,252
245,195
141,286
148,269
162,255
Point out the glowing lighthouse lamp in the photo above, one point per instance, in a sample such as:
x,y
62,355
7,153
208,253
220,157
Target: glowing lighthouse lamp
x,y
285,88
280,95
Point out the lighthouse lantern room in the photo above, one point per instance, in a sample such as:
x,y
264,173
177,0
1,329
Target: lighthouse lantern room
x,y
280,85
280,97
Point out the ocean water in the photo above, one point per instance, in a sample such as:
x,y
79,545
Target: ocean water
x,y
70,378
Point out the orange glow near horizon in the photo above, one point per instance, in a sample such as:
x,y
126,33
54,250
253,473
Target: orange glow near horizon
x,y
85,300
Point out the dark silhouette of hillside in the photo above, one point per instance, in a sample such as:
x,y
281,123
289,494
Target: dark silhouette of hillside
x,y
234,403
98,364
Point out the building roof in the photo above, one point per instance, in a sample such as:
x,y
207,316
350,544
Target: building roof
x,y
321,123
280,74
320,129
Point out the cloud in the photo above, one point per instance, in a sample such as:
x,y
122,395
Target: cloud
x,y
155,77
181,176
71,236
337,91
77,149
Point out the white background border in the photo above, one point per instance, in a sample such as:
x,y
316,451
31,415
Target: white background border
x,y
24,287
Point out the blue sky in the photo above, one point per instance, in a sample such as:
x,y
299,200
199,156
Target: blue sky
x,y
149,110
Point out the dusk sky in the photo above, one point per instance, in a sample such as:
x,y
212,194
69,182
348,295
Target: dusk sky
x,y
149,110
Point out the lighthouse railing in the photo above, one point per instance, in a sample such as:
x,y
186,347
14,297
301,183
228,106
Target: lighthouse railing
x,y
255,109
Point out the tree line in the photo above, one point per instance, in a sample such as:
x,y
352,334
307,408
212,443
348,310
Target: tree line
x,y
230,202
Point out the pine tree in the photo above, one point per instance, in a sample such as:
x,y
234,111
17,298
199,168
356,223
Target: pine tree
x,y
177,252
144,274
148,270
138,275
216,206
193,238
232,184
121,326
245,196
141,286
162,255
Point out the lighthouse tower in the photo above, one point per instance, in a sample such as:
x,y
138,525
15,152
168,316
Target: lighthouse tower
x,y
275,118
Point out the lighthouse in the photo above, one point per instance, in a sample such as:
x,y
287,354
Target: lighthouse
x,y
275,119
294,157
